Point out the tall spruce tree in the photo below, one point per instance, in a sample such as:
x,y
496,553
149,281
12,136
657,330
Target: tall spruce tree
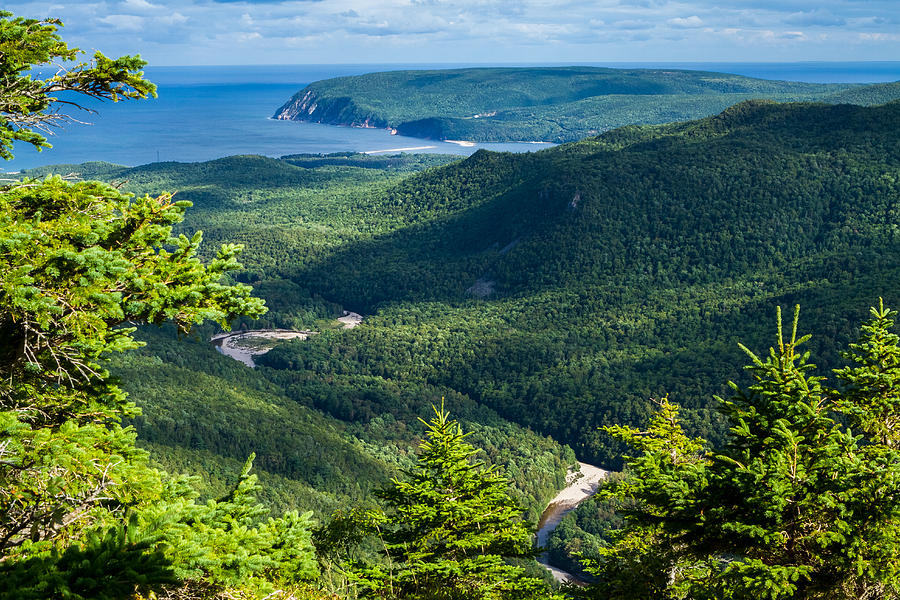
x,y
451,526
668,468
796,505
869,400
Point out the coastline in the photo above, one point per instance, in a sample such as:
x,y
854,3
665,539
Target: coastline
x,y
410,149
463,143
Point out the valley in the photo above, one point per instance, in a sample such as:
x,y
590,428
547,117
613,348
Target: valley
x,y
681,241
537,296
450,330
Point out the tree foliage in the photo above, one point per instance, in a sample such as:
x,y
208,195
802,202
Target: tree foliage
x,y
450,526
31,103
79,502
796,504
80,261
82,513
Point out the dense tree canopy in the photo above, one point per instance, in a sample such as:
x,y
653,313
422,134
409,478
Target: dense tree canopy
x,y
615,269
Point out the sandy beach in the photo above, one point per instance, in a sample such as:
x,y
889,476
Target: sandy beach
x,y
411,149
350,319
243,346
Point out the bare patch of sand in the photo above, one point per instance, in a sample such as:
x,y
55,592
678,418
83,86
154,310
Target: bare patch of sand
x,y
242,346
582,485
350,319
399,149
482,288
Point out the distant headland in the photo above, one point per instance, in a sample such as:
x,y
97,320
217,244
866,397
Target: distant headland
x,y
548,104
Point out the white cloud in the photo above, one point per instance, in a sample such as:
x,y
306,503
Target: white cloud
x,y
477,30
138,5
124,22
542,31
632,24
175,18
686,22
879,37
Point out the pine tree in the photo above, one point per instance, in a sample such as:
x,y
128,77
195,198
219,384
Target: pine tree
x,y
869,400
870,396
794,506
777,495
667,470
81,259
452,525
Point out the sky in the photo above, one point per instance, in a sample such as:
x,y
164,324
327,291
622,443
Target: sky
x,y
237,32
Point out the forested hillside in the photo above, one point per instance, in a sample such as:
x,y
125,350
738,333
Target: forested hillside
x,y
565,288
554,104
560,290
205,413
567,296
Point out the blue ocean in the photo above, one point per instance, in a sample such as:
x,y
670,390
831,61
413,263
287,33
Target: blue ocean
x,y
204,113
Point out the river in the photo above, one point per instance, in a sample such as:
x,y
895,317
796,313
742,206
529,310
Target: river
x,y
243,346
581,486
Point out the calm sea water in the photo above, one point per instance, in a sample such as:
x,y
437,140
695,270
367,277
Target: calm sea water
x,y
204,113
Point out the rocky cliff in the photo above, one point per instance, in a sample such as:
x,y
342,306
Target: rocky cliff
x,y
308,105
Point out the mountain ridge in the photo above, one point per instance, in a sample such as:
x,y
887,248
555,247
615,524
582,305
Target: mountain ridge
x,y
551,104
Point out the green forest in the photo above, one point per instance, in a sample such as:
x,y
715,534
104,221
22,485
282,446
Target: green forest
x,y
616,300
549,104
585,279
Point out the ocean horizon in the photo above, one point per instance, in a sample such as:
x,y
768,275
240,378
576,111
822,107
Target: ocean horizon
x,y
209,112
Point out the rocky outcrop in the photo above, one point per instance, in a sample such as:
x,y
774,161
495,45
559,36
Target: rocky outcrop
x,y
309,105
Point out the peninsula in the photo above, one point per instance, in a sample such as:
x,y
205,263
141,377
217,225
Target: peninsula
x,y
548,104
